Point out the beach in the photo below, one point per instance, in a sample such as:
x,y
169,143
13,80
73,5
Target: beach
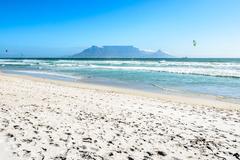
x,y
42,119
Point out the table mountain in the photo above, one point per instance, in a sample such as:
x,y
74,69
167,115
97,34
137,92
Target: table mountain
x,y
119,52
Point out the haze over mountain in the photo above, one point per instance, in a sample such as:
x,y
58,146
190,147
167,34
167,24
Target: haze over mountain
x,y
119,52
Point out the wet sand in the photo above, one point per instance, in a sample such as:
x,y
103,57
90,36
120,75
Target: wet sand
x,y
46,119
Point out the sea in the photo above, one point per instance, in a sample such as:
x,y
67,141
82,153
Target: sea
x,y
218,77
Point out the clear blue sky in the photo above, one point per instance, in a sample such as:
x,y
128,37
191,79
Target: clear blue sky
x,y
62,27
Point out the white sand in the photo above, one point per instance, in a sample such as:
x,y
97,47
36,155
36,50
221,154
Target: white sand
x,y
5,153
43,119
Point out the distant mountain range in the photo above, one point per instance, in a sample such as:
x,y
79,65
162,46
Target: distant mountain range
x,y
119,52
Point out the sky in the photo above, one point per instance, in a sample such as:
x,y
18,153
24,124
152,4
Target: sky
x,y
49,28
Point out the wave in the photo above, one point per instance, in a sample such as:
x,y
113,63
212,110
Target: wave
x,y
147,64
118,62
179,70
217,69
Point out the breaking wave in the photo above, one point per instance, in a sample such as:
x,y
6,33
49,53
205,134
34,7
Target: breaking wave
x,y
218,69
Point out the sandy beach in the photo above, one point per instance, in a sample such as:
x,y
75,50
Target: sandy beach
x,y
44,119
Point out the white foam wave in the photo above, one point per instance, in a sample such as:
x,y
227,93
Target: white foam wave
x,y
221,69
179,70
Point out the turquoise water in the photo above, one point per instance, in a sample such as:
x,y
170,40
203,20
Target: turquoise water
x,y
218,77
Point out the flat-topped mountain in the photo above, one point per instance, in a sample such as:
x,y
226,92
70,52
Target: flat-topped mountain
x,y
119,52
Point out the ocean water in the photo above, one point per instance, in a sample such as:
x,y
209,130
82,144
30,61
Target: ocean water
x,y
218,77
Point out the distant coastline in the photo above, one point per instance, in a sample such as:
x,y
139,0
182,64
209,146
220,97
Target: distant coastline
x,y
119,52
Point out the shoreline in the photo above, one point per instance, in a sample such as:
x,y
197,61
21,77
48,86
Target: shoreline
x,y
153,78
188,98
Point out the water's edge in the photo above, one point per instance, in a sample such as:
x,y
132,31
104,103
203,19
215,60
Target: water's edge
x,y
217,77
119,84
